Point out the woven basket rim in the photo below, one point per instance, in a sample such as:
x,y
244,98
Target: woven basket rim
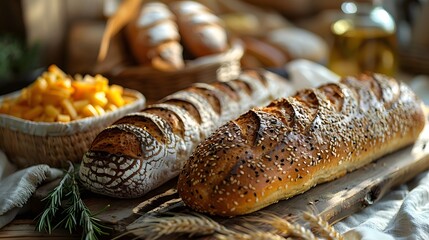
x,y
72,127
234,53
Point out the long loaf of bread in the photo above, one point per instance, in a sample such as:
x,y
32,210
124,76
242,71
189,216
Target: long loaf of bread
x,y
284,149
202,31
154,38
145,149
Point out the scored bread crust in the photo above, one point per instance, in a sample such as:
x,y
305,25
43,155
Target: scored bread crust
x,y
202,31
273,153
154,38
143,150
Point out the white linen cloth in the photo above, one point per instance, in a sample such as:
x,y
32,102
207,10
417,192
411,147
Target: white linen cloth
x,y
401,214
16,187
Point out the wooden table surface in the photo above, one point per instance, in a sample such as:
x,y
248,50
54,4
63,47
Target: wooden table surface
x,y
21,229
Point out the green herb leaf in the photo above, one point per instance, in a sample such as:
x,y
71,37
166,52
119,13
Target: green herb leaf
x,y
66,207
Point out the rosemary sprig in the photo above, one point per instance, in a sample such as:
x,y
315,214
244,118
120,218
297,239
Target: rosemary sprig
x,y
65,204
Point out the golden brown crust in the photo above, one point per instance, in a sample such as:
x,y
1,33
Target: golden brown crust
x,y
276,152
267,54
154,38
143,150
201,31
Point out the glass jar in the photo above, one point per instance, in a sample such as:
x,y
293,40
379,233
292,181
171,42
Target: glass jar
x,y
363,40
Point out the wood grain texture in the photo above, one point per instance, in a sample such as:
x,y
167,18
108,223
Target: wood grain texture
x,y
25,229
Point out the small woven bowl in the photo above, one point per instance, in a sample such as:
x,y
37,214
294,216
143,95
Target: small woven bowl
x,y
29,143
155,84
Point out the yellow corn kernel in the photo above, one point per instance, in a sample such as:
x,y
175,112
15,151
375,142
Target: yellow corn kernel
x,y
78,77
5,107
101,83
88,78
110,107
100,110
47,119
116,88
117,100
51,79
79,105
56,70
23,97
63,118
115,96
64,83
35,100
18,110
82,89
51,111
128,100
41,84
89,111
99,98
33,113
69,109
54,97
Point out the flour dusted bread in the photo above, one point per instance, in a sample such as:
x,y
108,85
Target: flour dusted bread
x,y
145,149
284,149
164,36
202,31
154,38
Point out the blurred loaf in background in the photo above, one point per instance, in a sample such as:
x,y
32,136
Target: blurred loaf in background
x,y
271,34
70,35
268,37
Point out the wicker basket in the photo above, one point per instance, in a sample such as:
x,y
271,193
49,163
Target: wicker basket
x,y
155,84
28,143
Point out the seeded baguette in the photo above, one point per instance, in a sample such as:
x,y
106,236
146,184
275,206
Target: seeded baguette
x,y
284,149
143,150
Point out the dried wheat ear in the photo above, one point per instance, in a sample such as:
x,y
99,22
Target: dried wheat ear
x,y
267,226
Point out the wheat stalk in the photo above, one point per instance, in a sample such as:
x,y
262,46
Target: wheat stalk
x,y
285,228
248,232
253,235
322,227
195,224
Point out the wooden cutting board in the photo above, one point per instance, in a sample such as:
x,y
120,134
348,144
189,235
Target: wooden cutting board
x,y
333,201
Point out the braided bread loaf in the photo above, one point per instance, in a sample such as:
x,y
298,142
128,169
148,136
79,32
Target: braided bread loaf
x,y
284,149
143,150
